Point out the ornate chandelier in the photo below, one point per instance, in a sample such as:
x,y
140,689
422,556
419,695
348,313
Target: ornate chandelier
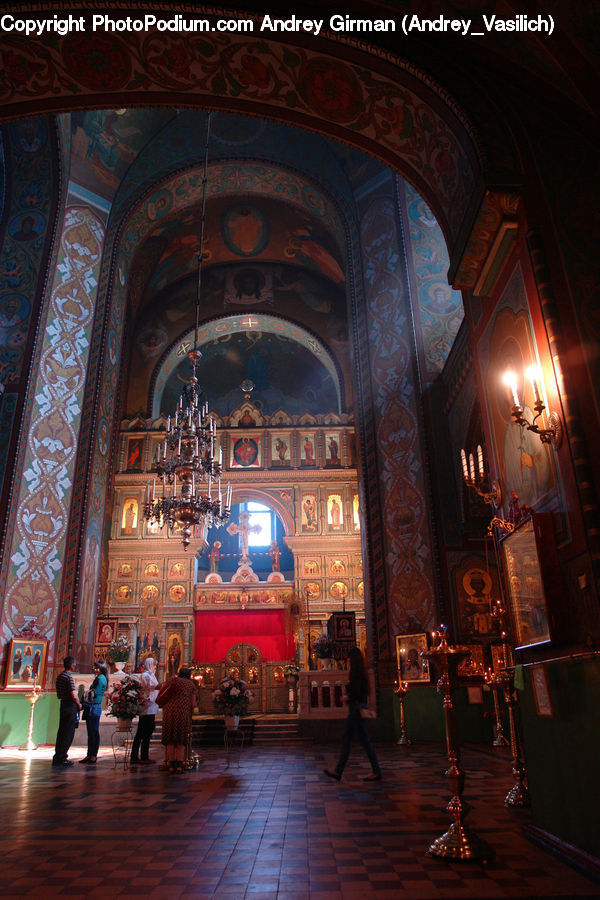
x,y
187,468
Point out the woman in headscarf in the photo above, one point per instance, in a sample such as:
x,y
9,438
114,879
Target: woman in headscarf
x,y
141,742
177,719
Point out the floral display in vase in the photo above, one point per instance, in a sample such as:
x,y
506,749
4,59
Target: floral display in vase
x,y
125,701
119,650
232,698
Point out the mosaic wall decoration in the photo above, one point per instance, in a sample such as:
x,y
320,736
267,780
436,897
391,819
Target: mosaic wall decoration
x,y
38,538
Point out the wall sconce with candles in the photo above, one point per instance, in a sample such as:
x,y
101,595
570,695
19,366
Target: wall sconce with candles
x,y
552,434
476,478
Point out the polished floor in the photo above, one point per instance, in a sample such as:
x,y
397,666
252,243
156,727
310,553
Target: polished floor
x,y
266,824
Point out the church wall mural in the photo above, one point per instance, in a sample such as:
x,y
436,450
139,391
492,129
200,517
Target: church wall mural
x,y
27,212
414,126
525,464
438,309
405,513
32,583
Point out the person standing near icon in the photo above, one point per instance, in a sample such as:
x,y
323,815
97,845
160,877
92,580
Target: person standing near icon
x,y
70,707
97,690
357,695
141,742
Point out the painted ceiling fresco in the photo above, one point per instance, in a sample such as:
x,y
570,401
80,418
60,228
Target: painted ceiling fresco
x,y
286,376
440,308
106,141
240,229
287,291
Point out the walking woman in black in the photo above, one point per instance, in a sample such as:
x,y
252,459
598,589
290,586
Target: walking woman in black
x,y
357,695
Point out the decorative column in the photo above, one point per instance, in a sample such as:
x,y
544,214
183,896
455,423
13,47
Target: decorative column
x,y
458,843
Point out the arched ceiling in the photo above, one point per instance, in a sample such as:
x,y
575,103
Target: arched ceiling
x,y
289,368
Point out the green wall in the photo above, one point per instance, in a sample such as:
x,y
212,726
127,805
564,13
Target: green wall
x,y
562,753
14,719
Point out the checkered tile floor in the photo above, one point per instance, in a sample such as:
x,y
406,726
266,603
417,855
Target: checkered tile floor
x,y
273,827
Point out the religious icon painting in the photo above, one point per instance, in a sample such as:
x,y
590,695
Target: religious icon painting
x,y
153,528
280,450
177,593
174,654
360,589
123,593
411,665
337,567
25,663
309,513
129,519
177,570
499,663
474,665
125,570
106,631
311,567
332,450
156,443
335,512
308,449
338,590
245,453
149,593
135,448
355,513
151,570
312,590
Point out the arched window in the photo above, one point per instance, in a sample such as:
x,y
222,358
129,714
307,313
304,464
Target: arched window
x,y
264,517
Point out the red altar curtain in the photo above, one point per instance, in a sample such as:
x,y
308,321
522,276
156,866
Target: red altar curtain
x,y
218,630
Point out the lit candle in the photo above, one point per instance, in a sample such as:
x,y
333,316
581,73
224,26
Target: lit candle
x,y
179,446
463,457
510,380
480,459
175,485
533,375
471,467
153,488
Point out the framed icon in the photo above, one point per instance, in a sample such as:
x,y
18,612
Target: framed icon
x,y
411,665
25,663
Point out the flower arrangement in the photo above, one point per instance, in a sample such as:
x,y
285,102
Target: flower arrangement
x,y
291,671
119,649
323,647
125,700
232,697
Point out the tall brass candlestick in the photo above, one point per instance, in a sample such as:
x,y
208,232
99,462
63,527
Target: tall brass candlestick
x,y
458,843
518,795
401,691
494,681
33,699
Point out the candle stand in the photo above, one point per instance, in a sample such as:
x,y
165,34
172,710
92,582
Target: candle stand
x,y
518,795
496,681
401,691
458,842
33,698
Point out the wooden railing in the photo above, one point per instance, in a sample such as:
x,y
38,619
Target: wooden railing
x,y
320,695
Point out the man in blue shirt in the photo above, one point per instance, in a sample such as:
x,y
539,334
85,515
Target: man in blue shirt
x,y
70,708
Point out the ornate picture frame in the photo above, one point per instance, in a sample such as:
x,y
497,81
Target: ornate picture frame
x,y
411,666
25,663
